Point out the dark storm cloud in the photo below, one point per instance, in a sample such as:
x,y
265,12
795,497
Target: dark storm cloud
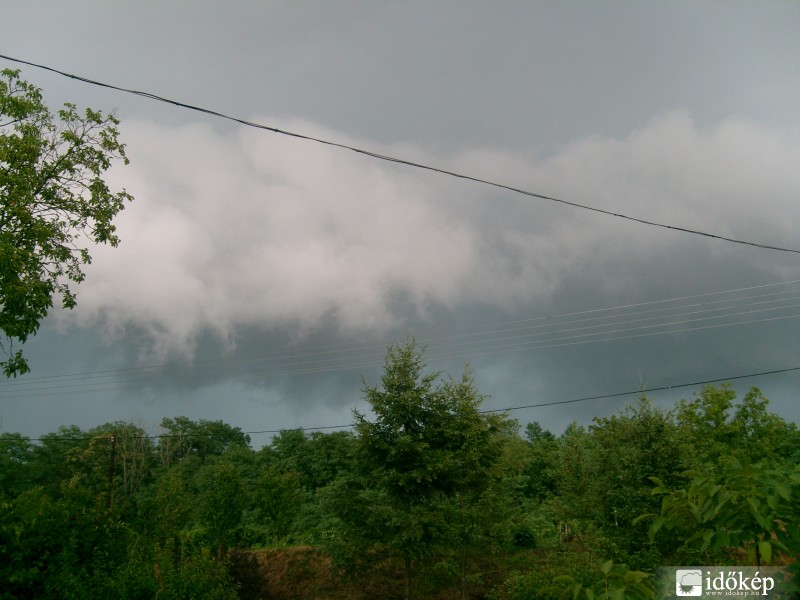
x,y
319,251
269,274
241,230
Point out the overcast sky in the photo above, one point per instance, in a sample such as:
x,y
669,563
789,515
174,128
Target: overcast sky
x,y
260,276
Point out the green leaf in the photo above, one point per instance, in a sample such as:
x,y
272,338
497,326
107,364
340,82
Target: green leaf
x,y
756,510
646,517
606,566
576,591
765,549
657,524
616,594
783,491
772,501
15,365
707,537
51,196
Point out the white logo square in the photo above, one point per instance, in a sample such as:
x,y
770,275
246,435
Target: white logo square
x,y
688,582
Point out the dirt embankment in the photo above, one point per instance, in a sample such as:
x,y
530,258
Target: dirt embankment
x,y
303,573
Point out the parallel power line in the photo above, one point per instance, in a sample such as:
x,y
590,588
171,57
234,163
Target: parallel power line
x,y
402,161
489,411
711,310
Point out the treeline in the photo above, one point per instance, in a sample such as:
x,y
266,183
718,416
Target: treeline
x,y
457,502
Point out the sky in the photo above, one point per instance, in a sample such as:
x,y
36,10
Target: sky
x,y
261,277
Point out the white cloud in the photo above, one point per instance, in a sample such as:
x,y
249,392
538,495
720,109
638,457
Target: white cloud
x,y
252,229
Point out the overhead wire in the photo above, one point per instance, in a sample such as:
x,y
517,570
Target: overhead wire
x,y
294,360
353,363
402,161
435,335
511,336
640,391
473,347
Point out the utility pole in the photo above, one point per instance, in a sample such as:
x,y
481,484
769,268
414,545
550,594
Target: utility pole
x,y
111,468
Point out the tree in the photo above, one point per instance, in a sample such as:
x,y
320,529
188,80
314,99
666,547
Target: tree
x,y
541,462
53,200
202,438
52,462
56,548
611,582
575,474
639,443
317,458
480,505
220,502
714,429
15,457
604,479
279,501
751,506
428,451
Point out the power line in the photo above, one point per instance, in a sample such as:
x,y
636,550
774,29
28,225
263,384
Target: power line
x,y
401,161
488,411
645,391
594,325
462,336
345,363
662,301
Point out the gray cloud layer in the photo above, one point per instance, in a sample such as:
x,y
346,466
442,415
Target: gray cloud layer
x,y
245,252
240,229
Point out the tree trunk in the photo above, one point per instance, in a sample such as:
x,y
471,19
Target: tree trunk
x,y
463,557
407,564
463,576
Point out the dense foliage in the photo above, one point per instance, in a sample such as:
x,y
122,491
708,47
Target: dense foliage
x,y
429,497
54,202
